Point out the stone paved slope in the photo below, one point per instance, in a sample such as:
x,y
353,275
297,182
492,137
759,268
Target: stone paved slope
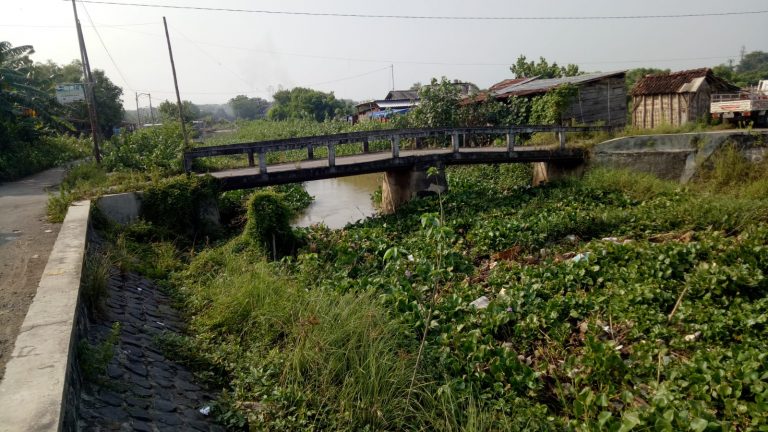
x,y
143,390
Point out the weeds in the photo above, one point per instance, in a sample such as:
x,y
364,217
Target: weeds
x,y
94,359
93,284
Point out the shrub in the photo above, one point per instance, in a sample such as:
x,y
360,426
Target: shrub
x,y
178,204
25,158
269,223
157,147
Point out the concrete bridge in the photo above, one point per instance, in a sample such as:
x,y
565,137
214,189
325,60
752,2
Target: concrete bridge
x,y
403,155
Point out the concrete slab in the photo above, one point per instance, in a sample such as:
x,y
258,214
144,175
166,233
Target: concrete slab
x,y
33,389
122,208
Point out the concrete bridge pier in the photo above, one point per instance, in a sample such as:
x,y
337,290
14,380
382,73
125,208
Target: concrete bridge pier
x,y
401,186
544,172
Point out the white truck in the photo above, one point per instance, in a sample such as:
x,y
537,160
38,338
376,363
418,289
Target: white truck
x,y
747,105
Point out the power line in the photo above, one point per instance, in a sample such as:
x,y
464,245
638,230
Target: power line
x,y
349,77
70,27
430,17
107,50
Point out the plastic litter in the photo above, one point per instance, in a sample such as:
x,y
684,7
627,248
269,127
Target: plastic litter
x,y
206,410
481,302
581,257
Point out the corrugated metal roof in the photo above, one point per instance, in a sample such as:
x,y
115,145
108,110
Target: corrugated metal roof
x,y
506,83
402,95
687,81
535,86
394,104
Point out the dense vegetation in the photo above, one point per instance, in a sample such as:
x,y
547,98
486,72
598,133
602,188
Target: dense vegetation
x,y
615,302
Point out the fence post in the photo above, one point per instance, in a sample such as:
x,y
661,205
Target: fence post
x,y
262,163
455,142
331,155
562,139
511,142
366,147
396,146
310,152
251,163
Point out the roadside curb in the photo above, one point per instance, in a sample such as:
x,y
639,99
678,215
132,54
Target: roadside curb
x,y
33,392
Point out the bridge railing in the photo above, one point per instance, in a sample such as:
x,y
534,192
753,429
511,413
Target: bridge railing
x,y
456,137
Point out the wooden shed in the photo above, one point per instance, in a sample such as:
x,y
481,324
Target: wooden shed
x,y
601,97
675,99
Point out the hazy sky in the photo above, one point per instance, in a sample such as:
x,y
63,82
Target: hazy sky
x,y
221,54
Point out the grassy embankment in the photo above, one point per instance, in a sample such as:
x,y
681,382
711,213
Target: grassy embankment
x,y
615,302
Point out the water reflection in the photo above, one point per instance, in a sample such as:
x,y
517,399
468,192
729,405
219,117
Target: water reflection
x,y
339,201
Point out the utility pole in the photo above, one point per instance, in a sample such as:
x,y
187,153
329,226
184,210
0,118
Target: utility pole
x,y
392,69
88,78
138,115
151,111
176,85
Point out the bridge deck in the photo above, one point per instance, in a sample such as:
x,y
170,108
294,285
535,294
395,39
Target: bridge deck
x,y
317,169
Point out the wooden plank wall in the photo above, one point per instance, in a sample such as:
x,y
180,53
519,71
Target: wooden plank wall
x,y
674,109
602,101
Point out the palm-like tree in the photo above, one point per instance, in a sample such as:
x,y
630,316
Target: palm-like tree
x,y
18,92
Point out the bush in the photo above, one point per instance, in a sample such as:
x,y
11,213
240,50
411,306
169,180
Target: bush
x,y
156,147
178,204
269,223
24,158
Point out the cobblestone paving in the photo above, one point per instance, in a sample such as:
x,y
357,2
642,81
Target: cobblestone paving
x,y
142,390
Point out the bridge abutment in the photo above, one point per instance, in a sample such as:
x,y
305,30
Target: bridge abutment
x,y
544,172
399,187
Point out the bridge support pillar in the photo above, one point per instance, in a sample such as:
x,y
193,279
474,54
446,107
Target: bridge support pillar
x,y
399,187
544,172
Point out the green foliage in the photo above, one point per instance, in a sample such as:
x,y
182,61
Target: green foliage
x,y
306,104
549,108
93,284
249,108
295,358
178,204
158,147
542,69
94,359
269,224
169,111
438,105
751,69
25,158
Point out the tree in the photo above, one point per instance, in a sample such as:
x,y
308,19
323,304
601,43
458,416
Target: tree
x,y
304,103
169,111
24,106
249,108
438,104
751,69
108,96
542,69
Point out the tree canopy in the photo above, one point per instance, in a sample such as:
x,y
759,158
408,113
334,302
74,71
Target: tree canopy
x,y
304,103
751,69
527,69
108,96
249,108
169,111
25,106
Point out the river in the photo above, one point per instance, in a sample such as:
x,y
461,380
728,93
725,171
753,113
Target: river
x,y
339,201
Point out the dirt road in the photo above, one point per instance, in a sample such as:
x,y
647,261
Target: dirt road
x,y
26,239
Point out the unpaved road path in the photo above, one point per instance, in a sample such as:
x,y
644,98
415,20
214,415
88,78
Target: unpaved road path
x,y
26,240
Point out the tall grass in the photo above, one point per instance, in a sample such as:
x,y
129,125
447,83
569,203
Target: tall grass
x,y
338,359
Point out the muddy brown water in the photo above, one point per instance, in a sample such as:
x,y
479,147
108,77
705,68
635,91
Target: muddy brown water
x,y
340,201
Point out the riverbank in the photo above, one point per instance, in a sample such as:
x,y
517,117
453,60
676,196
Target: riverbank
x,y
582,304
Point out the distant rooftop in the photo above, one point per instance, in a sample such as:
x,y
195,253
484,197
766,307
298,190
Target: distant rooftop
x,y
532,86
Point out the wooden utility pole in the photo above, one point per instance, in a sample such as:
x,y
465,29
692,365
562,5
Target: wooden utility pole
x,y
138,115
176,85
88,83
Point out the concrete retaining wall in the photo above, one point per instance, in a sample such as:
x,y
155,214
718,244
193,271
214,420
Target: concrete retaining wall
x,y
675,156
34,390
